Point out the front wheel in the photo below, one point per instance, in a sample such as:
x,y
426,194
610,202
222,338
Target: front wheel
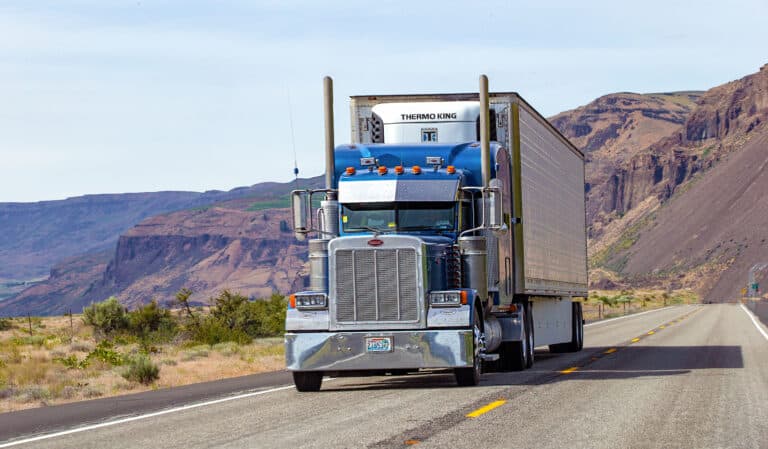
x,y
307,380
469,377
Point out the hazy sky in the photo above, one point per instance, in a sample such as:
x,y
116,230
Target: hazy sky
x,y
101,96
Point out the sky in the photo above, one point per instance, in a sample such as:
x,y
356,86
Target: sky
x,y
112,96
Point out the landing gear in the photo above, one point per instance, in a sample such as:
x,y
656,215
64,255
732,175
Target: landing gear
x,y
308,380
468,377
577,332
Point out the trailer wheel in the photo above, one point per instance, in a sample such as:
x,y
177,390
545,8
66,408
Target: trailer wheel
x,y
469,377
529,334
577,332
308,380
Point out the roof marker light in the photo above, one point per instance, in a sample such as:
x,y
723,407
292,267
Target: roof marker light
x,y
416,170
350,171
399,169
450,169
382,170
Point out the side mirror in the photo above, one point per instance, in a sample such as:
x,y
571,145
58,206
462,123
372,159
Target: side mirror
x,y
301,208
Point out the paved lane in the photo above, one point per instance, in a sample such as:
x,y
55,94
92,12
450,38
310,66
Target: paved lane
x,y
700,381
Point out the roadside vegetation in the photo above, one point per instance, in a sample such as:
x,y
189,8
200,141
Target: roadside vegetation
x,y
604,304
110,350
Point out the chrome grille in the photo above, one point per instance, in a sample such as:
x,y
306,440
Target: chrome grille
x,y
376,285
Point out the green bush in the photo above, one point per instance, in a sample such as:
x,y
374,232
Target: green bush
x,y
234,318
5,324
72,362
106,316
152,323
105,352
141,369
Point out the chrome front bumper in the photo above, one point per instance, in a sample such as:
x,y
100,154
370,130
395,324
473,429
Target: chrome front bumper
x,y
344,351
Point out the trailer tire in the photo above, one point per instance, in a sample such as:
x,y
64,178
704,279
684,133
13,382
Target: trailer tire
x,y
469,377
529,334
577,332
307,380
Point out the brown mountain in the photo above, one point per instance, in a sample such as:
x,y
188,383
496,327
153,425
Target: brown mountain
x,y
688,207
234,244
35,236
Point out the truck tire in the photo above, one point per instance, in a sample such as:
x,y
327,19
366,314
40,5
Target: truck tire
x,y
529,334
308,380
469,377
577,332
514,355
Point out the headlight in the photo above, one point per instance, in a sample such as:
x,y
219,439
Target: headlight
x,y
447,299
312,301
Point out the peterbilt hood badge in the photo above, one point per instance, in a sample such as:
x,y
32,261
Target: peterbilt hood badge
x,y
375,242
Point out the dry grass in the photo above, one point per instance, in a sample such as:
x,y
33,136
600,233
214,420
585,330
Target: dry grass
x,y
604,304
31,374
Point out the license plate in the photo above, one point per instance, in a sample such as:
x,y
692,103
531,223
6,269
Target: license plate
x,y
378,344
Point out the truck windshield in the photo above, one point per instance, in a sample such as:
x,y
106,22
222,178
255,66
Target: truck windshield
x,y
375,217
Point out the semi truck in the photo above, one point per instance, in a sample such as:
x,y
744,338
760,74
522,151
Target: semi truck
x,y
450,235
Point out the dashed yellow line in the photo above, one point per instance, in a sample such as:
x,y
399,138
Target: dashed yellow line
x,y
569,370
635,340
411,442
662,326
487,408
651,333
610,351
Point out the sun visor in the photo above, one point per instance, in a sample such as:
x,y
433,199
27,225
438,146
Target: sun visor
x,y
406,190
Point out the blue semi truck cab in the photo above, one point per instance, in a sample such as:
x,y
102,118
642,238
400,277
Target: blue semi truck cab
x,y
417,260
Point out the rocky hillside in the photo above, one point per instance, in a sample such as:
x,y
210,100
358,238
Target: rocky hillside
x,y
35,236
611,131
675,219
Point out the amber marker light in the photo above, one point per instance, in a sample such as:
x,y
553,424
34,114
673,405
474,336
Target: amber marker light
x,y
382,170
416,169
399,170
350,171
463,297
292,301
450,169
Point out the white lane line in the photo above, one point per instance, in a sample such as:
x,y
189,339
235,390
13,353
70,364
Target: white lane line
x,y
140,417
627,316
754,321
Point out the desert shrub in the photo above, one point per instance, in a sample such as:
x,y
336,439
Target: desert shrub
x,y
91,391
234,318
227,349
106,316
194,353
105,352
152,324
6,324
34,393
71,361
142,370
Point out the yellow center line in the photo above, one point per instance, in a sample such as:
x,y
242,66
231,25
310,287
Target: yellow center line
x,y
662,326
651,333
569,370
635,340
610,351
486,409
411,442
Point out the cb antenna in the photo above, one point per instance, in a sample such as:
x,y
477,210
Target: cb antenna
x,y
293,142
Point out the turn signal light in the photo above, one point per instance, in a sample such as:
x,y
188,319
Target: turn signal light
x,y
463,297
350,171
399,170
416,169
382,170
292,301
450,169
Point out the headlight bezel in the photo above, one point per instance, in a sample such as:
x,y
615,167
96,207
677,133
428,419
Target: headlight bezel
x,y
447,298
311,301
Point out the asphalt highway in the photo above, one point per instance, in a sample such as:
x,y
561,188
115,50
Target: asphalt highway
x,y
686,376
